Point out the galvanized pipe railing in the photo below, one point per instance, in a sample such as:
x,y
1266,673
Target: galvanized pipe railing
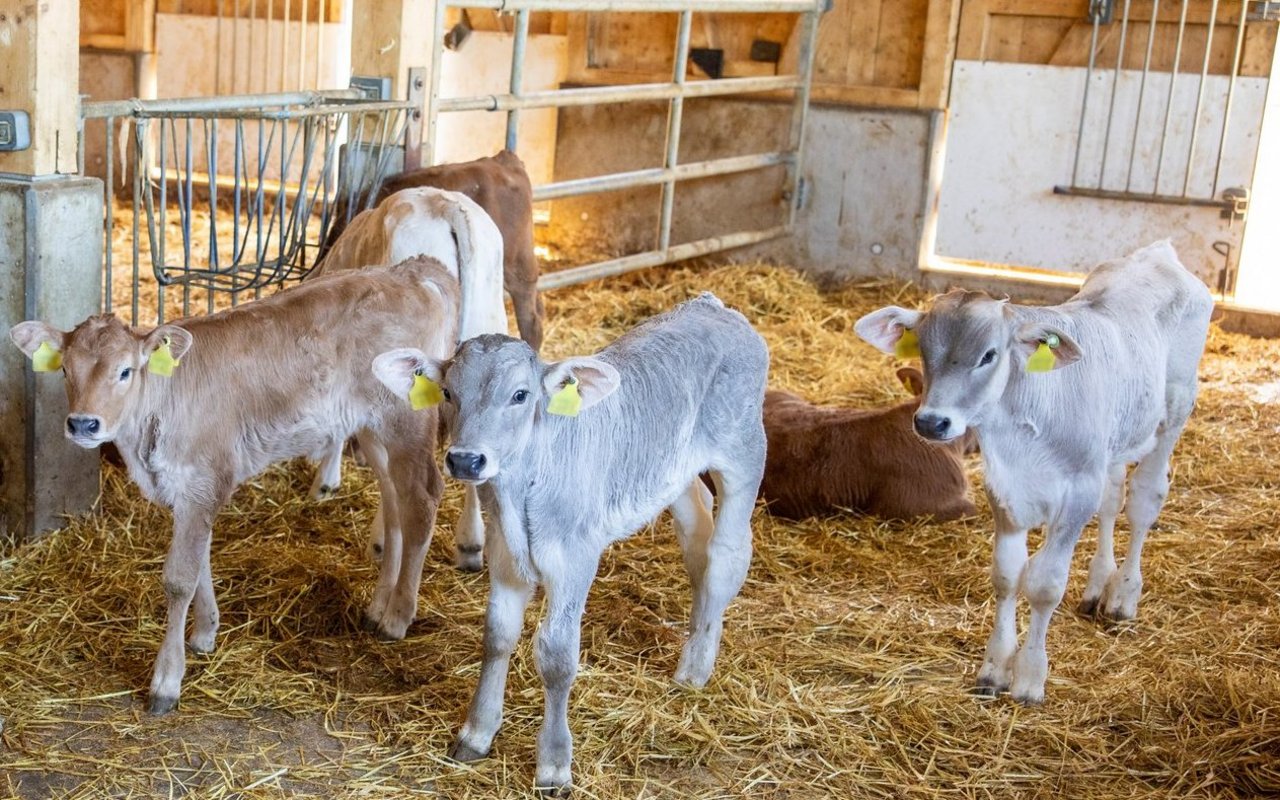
x,y
675,93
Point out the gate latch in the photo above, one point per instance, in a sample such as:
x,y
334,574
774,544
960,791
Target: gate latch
x,y
1238,197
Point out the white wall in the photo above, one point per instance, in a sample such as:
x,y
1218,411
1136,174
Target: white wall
x,y
1012,138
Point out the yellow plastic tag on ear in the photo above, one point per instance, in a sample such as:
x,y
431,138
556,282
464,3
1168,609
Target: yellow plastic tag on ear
x,y
908,346
425,393
46,359
566,402
162,361
1042,360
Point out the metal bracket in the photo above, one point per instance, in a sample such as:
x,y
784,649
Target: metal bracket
x,y
15,130
1238,197
413,125
372,88
1100,11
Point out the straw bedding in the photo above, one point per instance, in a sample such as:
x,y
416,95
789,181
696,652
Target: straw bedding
x,y
845,664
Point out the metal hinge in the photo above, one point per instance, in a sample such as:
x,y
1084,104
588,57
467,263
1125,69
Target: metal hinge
x,y
1238,196
1100,11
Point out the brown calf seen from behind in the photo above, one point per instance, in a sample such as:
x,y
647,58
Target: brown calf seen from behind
x,y
500,185
824,460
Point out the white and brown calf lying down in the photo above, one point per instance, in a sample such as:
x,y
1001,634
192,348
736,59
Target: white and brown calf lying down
x,y
824,460
267,381
677,396
1063,399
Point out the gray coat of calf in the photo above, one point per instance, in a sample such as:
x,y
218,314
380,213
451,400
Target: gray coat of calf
x,y
267,381
678,396
1056,444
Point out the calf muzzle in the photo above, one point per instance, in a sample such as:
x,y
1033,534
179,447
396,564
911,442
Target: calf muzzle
x,y
933,426
463,465
83,425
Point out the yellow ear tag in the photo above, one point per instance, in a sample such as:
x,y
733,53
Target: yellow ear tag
x,y
908,346
46,359
162,361
566,402
1043,359
425,392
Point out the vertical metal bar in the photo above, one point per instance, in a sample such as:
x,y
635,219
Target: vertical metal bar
x,y
1231,92
437,46
800,111
236,245
158,265
302,48
517,74
675,116
1168,106
1115,83
141,157
188,207
1142,91
1195,119
1084,104
109,208
211,151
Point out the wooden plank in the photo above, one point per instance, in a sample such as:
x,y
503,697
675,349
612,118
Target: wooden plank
x,y
40,74
877,96
900,43
576,32
1041,38
103,41
1004,41
940,40
831,50
1073,50
140,26
1259,49
390,36
863,36
971,42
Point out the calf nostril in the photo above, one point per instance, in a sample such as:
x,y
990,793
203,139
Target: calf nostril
x,y
92,426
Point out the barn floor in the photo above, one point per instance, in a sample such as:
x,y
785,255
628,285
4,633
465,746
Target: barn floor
x,y
844,671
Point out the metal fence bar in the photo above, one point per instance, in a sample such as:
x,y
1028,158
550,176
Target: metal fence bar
x,y
1231,93
800,110
1084,103
675,6
1173,82
1204,74
198,105
1142,92
598,95
659,175
1115,83
675,114
518,48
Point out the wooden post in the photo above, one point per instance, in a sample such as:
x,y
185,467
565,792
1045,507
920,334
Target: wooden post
x,y
940,28
388,37
50,264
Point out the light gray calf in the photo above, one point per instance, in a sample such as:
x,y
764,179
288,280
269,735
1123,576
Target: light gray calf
x,y
1056,445
678,396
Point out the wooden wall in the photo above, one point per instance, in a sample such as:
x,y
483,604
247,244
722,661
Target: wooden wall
x,y
129,25
1056,32
893,53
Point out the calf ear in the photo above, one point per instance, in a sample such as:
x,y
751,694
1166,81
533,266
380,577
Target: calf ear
x,y
1030,336
913,379
180,341
397,368
882,329
596,379
28,336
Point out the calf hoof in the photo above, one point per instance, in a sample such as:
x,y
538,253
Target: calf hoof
x,y
200,647
1088,607
554,791
987,688
470,558
1029,697
324,492
461,752
160,704
380,631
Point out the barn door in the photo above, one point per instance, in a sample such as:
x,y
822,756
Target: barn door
x,y
1083,130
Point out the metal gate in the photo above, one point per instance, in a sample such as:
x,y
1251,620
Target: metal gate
x,y
674,92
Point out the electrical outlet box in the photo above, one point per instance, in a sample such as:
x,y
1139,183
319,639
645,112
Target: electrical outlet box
x,y
15,131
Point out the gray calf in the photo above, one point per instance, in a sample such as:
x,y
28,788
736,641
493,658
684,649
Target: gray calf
x,y
1056,444
678,396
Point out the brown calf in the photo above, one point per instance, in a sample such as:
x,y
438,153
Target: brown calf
x,y
277,378
499,185
824,460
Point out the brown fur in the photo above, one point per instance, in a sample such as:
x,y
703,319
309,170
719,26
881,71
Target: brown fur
x,y
500,185
824,460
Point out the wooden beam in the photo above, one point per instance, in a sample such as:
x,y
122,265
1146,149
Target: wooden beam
x,y
941,30
879,96
40,74
140,26
390,36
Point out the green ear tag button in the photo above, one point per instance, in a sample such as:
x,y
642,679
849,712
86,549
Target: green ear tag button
x,y
1043,359
46,359
566,402
908,345
162,361
425,392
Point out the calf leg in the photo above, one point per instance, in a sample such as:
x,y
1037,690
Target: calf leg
x,y
386,538
557,650
187,560
418,486
329,475
728,556
527,302
691,515
1103,564
509,595
1009,558
1044,581
468,536
1148,490
204,630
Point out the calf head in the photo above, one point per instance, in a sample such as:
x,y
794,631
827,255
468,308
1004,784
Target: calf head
x,y
493,392
102,362
969,344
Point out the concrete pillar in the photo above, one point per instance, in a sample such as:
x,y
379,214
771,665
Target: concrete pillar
x,y
50,269
50,265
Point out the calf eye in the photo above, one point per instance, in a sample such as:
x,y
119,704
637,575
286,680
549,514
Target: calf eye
x,y
125,373
446,394
987,357
519,397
